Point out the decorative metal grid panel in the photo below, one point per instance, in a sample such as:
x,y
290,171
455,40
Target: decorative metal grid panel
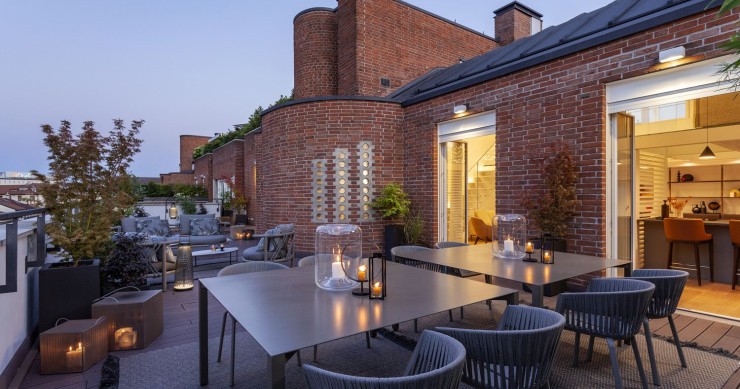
x,y
341,185
365,151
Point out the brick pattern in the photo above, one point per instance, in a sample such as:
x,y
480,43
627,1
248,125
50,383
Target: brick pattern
x,y
203,169
250,174
388,39
228,161
562,100
293,136
512,25
315,54
188,143
176,178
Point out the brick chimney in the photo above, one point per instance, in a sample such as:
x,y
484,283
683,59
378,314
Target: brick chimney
x,y
515,21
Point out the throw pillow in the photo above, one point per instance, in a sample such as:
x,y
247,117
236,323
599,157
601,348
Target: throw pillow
x,y
261,243
204,226
155,227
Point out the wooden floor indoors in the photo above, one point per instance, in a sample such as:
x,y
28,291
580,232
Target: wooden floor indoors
x,y
711,297
181,327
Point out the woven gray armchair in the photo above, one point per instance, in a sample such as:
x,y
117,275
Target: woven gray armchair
x,y
398,253
518,354
611,308
669,286
437,363
241,268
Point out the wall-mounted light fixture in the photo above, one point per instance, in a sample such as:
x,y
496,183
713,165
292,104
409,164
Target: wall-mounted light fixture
x,y
672,54
458,109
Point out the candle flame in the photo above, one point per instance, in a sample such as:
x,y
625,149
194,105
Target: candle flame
x,y
79,345
377,284
70,348
362,267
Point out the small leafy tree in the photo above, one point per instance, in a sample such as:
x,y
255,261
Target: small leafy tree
x,y
552,208
187,203
393,202
88,187
125,265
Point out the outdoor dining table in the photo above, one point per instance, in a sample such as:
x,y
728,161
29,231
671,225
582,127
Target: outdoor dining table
x,y
285,311
480,259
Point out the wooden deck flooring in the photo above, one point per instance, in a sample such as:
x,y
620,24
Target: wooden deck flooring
x,y
181,327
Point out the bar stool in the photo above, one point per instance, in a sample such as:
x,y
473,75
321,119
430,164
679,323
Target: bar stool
x,y
735,237
689,231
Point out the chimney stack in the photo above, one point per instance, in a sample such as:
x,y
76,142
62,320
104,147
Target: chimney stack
x,y
515,21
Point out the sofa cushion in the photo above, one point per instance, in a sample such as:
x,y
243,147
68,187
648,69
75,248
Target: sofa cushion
x,y
253,254
154,227
185,221
204,226
196,240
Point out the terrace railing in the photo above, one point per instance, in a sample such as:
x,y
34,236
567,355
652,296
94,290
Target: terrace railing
x,y
36,245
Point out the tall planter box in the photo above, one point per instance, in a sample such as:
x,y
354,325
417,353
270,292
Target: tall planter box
x,y
67,291
393,237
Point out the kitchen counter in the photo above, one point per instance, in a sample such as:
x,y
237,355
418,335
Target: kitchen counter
x,y
656,249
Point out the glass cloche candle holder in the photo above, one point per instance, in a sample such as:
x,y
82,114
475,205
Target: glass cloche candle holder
x,y
509,236
338,256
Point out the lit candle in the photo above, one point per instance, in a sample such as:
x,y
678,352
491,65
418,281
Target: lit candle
x,y
376,290
529,249
547,257
213,247
222,247
336,266
508,245
74,357
361,273
125,337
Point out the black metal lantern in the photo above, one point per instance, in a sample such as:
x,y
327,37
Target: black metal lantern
x,y
377,276
183,268
547,249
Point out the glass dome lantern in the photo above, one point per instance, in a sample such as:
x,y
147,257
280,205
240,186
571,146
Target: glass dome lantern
x,y
339,257
509,236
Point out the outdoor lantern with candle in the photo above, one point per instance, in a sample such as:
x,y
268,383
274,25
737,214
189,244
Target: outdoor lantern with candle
x,y
134,318
184,268
529,249
338,256
248,234
73,346
509,236
378,272
173,211
547,249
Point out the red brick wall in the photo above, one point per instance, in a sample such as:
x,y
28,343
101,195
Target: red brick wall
x,y
250,175
388,39
511,25
294,135
562,100
176,178
315,54
188,143
228,161
204,168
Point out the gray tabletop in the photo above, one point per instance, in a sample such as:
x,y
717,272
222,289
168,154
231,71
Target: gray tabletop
x,y
479,258
284,310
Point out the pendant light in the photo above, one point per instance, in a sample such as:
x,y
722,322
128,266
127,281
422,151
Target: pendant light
x,y
707,153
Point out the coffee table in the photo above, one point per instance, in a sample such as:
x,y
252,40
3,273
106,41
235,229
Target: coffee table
x,y
231,251
480,259
285,311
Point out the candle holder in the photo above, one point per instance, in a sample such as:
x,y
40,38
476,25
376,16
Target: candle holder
x,y
338,257
509,236
222,247
73,346
529,250
183,268
362,279
134,318
547,249
377,276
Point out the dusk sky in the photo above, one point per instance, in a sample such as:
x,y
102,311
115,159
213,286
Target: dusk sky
x,y
184,66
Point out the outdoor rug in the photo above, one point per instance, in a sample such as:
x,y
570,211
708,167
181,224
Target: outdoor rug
x,y
177,367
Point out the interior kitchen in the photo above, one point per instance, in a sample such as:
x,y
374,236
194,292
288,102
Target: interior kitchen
x,y
682,160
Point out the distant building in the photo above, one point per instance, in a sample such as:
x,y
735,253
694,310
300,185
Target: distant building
x,y
17,178
185,175
26,193
8,205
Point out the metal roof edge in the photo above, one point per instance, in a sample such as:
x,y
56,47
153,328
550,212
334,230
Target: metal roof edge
x,y
329,98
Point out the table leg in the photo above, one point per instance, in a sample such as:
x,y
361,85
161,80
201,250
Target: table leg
x,y
276,370
538,292
163,261
512,299
203,332
628,270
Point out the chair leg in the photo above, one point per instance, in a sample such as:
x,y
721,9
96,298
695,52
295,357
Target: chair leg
x,y
734,269
698,263
638,360
233,348
315,352
711,261
677,341
615,365
221,342
367,338
462,314
651,351
670,255
577,346
449,312
298,357
476,240
590,351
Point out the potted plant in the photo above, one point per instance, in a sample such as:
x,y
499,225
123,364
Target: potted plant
x,y
125,264
413,228
392,203
87,190
552,208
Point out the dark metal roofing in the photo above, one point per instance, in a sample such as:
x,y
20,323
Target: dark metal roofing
x,y
613,21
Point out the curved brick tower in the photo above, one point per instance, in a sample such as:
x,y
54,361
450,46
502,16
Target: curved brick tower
x,y
315,53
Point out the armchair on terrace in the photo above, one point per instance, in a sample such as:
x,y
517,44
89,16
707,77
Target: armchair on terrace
x,y
275,245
